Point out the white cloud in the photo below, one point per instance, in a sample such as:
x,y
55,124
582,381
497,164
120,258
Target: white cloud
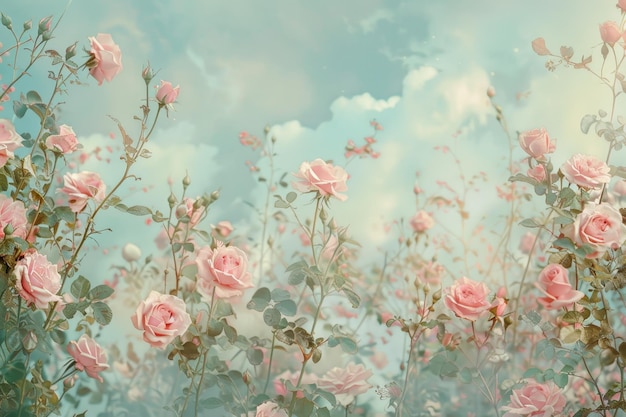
x,y
369,23
363,102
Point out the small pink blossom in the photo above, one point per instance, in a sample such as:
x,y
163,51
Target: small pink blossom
x,y
65,141
325,178
536,143
166,94
467,299
538,172
527,242
554,284
599,226
88,356
610,32
224,228
106,58
224,269
162,317
81,187
270,409
346,383
620,187
586,171
535,399
421,222
37,279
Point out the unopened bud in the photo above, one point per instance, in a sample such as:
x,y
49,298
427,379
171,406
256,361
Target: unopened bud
x,y
28,25
171,200
436,296
491,92
181,211
29,341
266,129
247,378
8,229
44,25
147,74
273,139
70,52
215,195
131,252
46,36
6,21
186,181
69,382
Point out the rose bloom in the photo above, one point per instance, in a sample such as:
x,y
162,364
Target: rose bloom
x,y
554,284
346,383
89,356
166,94
224,228
620,188
322,177
610,32
162,317
538,172
82,186
281,388
65,141
622,5
599,226
536,143
467,299
12,213
586,171
270,409
9,141
106,58
422,221
38,280
535,399
224,269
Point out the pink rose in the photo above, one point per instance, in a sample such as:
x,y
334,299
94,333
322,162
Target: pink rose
x,y
106,58
622,5
599,226
64,142
192,209
536,143
38,280
81,187
346,383
89,356
535,399
12,213
322,177
538,172
9,141
421,222
467,299
224,228
620,187
166,94
610,32
224,269
162,317
554,284
527,242
586,171
269,409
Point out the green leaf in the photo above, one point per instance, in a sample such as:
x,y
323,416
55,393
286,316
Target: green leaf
x,y
353,297
291,197
529,223
586,122
304,407
100,292
279,294
210,403
465,376
65,213
102,313
223,309
280,203
255,356
19,109
138,210
14,371
271,317
70,310
260,299
560,380
80,287
33,97
287,307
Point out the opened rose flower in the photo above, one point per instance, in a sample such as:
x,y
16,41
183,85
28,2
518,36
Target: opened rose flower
x,y
270,409
162,317
610,32
65,141
106,58
223,269
88,356
81,187
467,298
536,143
535,399
9,141
322,177
37,279
554,283
13,214
586,171
346,383
421,221
166,94
598,226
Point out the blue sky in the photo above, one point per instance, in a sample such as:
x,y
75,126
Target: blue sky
x,y
318,73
